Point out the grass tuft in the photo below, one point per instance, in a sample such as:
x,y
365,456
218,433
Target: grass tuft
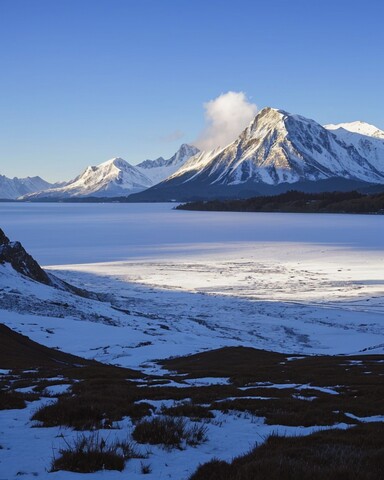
x,y
169,432
88,454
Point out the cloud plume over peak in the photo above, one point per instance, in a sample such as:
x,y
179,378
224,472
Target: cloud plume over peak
x,y
226,116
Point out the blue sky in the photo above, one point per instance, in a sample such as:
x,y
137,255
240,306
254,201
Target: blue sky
x,y
86,80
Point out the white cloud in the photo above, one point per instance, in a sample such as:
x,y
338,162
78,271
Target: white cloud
x,y
226,116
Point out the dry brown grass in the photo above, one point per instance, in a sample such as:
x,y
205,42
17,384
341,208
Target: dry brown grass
x,y
353,454
169,432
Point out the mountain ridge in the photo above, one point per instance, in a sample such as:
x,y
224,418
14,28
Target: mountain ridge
x,y
116,177
12,188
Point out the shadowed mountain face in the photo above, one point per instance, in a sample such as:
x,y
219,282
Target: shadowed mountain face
x,y
18,351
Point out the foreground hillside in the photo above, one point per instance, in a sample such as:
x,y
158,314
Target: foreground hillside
x,y
297,202
199,408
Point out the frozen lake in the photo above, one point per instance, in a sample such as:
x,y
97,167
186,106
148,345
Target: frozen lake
x,y
59,233
287,282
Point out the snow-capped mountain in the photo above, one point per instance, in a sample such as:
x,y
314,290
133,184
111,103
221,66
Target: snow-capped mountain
x,y
160,169
275,152
116,177
367,139
362,128
12,188
113,178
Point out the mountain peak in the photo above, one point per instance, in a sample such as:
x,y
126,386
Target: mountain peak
x,y
116,161
280,148
113,178
358,126
160,169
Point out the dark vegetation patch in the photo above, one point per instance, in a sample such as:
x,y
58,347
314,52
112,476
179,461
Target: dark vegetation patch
x,y
87,454
101,395
20,352
288,411
93,405
10,400
169,432
190,410
353,454
145,468
295,201
353,384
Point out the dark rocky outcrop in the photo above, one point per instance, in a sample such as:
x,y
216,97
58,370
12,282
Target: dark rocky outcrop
x,y
15,254
21,261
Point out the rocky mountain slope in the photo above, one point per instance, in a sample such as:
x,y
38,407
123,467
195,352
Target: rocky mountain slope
x,y
276,151
15,261
160,169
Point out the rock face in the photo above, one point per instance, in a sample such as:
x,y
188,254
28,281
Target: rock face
x,y
15,254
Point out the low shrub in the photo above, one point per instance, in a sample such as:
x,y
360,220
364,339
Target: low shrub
x,y
10,400
169,432
145,468
188,410
89,454
196,434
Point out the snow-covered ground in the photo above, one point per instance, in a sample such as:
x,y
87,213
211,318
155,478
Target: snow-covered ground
x,y
27,452
180,282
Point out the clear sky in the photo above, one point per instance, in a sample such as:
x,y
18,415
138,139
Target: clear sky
x,y
82,81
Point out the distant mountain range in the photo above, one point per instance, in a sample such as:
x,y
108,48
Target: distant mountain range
x,y
277,152
12,188
116,177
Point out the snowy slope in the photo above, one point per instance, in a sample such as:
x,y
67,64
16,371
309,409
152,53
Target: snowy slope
x,y
362,128
12,188
112,178
159,169
367,139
